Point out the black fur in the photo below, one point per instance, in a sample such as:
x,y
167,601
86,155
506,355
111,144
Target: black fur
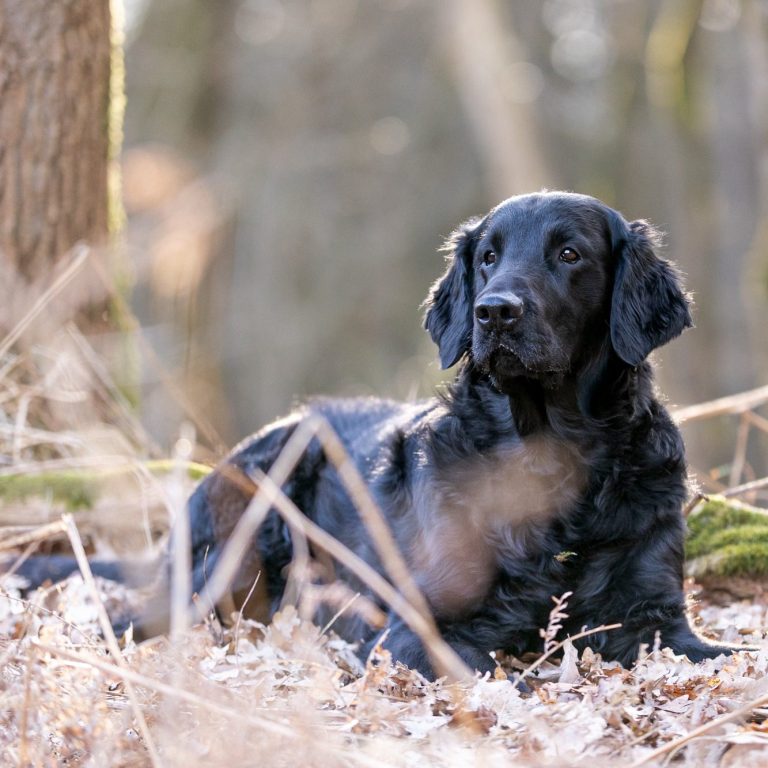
x,y
547,466
549,441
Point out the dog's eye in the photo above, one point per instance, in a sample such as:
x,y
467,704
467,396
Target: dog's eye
x,y
569,256
489,257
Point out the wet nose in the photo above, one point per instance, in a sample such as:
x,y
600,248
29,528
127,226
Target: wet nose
x,y
499,311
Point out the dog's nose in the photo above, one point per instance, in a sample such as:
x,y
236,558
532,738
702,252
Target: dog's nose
x,y
499,311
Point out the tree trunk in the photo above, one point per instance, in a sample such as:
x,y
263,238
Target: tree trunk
x,y
55,64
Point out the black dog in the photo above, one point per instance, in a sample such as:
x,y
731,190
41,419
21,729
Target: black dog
x,y
547,466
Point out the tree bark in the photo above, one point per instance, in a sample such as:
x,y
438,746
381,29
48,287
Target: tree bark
x,y
55,64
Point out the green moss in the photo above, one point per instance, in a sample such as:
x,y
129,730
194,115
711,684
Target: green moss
x,y
727,538
73,490
81,488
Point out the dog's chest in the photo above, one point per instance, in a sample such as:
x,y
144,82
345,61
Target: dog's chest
x,y
481,514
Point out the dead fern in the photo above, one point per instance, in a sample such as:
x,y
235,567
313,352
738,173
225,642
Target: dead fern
x,y
556,617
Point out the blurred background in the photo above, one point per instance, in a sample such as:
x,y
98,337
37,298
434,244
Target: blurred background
x,y
291,167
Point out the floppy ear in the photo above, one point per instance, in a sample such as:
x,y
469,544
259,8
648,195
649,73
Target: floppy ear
x,y
649,306
449,303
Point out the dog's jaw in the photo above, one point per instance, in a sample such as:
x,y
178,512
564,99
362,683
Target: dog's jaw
x,y
507,362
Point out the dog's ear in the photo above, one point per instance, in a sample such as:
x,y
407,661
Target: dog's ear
x,y
649,306
450,301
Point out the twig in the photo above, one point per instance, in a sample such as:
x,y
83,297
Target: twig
x,y
111,392
268,493
238,621
740,451
693,503
586,633
753,485
744,401
256,511
109,634
445,657
757,421
675,744
130,676
298,570
80,253
338,613
110,464
637,740
202,424
181,556
34,607
20,560
24,758
18,427
36,534
381,535
384,543
41,436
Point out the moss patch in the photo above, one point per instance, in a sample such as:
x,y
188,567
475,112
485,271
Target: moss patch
x,y
81,488
727,538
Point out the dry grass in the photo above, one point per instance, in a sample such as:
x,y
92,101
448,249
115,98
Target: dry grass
x,y
288,693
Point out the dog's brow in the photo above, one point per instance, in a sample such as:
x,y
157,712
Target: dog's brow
x,y
496,240
560,232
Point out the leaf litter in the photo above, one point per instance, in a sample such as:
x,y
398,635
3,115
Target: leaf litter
x,y
331,709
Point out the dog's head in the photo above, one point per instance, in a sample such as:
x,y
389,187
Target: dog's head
x,y
542,281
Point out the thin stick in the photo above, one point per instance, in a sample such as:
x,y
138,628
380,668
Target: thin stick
x,y
236,630
338,613
298,570
42,436
256,511
555,648
446,658
753,485
381,534
202,424
20,560
111,464
109,634
757,421
111,392
105,461
274,727
675,744
693,503
744,401
37,534
80,253
638,740
268,494
181,560
34,607
740,451
24,724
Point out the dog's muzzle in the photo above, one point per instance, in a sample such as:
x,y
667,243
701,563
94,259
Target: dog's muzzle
x,y
498,311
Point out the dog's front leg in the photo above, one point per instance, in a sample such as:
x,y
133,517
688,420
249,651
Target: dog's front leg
x,y
406,647
640,586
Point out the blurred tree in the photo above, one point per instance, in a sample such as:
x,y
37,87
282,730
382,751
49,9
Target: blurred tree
x,y
57,137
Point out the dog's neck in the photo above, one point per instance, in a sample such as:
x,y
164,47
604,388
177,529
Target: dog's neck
x,y
601,395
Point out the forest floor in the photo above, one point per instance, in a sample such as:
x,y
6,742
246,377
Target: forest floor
x,y
288,694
